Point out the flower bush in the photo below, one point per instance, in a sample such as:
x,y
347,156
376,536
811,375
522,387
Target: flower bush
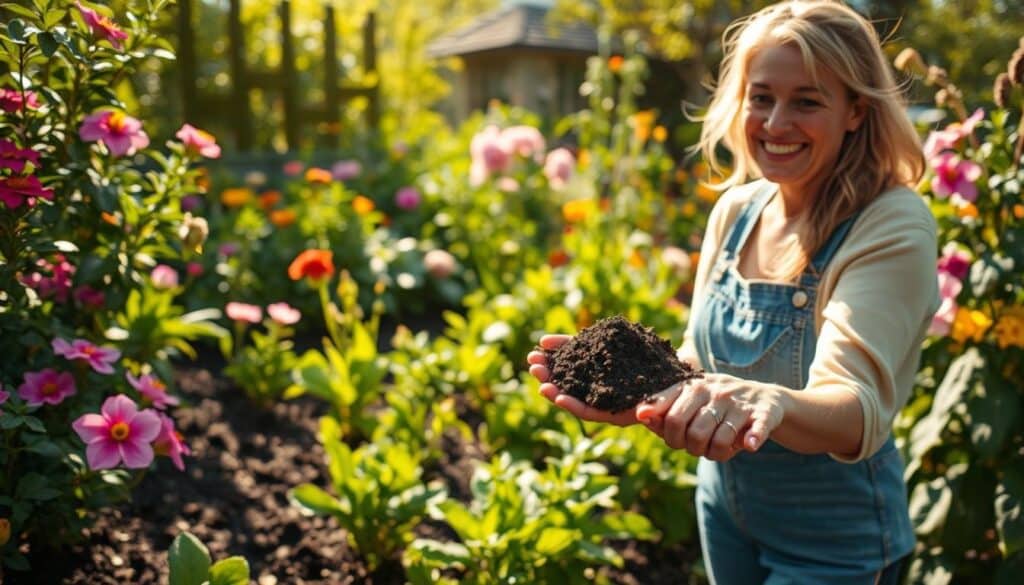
x,y
963,431
88,324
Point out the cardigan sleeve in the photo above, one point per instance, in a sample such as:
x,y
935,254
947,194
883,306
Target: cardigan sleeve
x,y
876,300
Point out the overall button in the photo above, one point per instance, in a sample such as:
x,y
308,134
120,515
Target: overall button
x,y
799,299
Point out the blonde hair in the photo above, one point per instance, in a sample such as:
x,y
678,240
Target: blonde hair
x,y
884,151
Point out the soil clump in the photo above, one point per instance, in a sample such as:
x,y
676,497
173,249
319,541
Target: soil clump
x,y
615,364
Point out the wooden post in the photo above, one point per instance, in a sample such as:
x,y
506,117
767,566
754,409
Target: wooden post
x,y
332,97
289,78
241,117
370,66
187,62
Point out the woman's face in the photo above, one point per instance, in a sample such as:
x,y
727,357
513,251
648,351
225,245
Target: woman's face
x,y
795,128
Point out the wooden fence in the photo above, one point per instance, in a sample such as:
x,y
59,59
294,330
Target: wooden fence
x,y
235,108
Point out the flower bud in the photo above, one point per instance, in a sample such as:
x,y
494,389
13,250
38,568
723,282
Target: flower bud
x,y
193,231
439,263
1002,89
910,61
937,76
1016,66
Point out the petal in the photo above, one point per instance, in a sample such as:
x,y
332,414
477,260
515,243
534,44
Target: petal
x,y
60,346
118,145
118,408
100,366
91,427
136,454
103,454
145,426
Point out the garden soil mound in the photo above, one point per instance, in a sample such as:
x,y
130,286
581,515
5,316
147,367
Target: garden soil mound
x,y
233,495
615,364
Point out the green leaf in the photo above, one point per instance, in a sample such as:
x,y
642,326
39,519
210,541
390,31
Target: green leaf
x,y
13,421
317,500
993,416
34,423
19,10
189,561
16,31
553,541
960,377
34,486
1009,516
230,571
930,504
47,44
444,554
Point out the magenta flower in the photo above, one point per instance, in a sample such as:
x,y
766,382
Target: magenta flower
x,y
120,433
46,386
228,249
99,358
119,132
164,277
89,298
198,141
949,287
243,312
954,261
558,167
947,138
14,158
407,198
153,390
284,313
11,100
17,190
954,176
344,170
194,269
169,442
54,279
102,26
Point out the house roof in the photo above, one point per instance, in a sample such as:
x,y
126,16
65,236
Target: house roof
x,y
519,26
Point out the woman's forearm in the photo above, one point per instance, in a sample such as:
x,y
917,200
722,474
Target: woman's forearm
x,y
819,421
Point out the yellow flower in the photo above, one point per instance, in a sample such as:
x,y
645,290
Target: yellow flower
x,y
235,197
583,158
577,210
970,324
283,217
318,176
636,259
660,134
362,204
642,122
1009,330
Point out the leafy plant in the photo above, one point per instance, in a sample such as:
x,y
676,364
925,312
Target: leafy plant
x,y
190,564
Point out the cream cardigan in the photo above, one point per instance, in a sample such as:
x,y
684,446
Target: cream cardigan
x,y
875,302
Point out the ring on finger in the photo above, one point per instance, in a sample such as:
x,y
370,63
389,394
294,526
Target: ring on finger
x,y
729,424
714,414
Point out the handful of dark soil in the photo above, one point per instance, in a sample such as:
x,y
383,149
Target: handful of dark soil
x,y
615,364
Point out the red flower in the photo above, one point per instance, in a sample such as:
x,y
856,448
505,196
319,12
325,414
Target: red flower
x,y
313,264
11,100
17,190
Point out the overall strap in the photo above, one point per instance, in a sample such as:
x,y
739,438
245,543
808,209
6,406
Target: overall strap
x,y
744,223
825,253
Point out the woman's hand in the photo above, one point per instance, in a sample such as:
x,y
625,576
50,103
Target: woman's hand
x,y
539,369
716,416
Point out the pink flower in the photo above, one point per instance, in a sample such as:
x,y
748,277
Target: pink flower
x,y
490,154
164,277
507,184
954,261
4,395
284,313
948,137
293,168
17,190
439,263
942,321
244,312
407,198
198,141
99,358
525,141
54,280
89,297
343,170
11,100
119,132
954,176
169,442
14,158
228,249
153,390
102,26
46,386
121,433
558,167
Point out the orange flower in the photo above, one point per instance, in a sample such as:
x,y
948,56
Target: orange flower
x,y
660,134
694,259
577,210
583,158
362,205
636,259
1018,211
615,63
110,218
269,199
558,258
318,176
642,122
283,217
315,265
235,197
968,210
689,209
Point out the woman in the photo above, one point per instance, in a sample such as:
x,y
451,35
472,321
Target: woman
x,y
815,288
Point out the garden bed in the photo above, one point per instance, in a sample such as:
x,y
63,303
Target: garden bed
x,y
233,495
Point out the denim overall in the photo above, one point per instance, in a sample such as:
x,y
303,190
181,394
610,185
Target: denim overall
x,y
775,516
